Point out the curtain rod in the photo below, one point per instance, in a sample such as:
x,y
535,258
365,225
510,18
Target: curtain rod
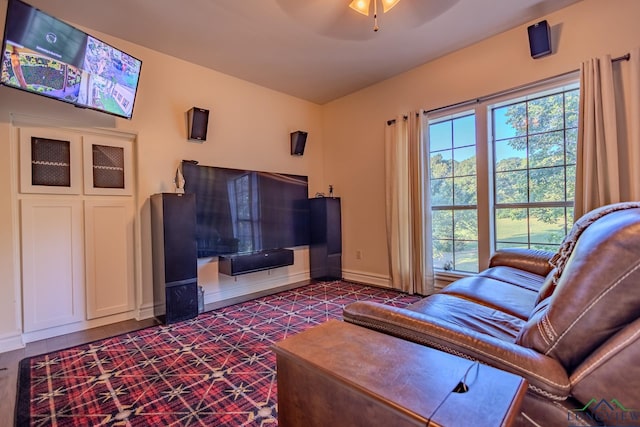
x,y
392,121
625,57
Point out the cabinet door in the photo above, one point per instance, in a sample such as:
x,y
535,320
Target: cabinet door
x,y
109,255
52,263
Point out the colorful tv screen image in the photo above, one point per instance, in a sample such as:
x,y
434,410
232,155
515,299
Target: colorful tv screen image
x,y
44,55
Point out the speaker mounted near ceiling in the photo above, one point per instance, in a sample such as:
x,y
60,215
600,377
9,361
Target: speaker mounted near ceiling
x,y
539,39
197,123
298,140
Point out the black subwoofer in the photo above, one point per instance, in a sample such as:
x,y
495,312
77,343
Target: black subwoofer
x,y
182,302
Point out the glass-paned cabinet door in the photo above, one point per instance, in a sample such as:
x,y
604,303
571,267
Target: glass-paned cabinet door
x,y
50,161
107,166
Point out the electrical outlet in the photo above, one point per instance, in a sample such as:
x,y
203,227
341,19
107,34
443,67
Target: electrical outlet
x,y
358,254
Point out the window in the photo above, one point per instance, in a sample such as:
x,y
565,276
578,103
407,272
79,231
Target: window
x,y
534,144
452,156
513,184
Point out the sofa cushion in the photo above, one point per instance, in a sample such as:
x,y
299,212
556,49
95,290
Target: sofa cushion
x,y
521,278
547,288
497,294
470,315
596,295
531,260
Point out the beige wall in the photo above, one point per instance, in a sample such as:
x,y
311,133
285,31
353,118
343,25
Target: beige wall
x,y
249,128
354,125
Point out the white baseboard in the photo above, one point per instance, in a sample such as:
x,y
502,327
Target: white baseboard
x,y
367,278
28,337
11,341
145,312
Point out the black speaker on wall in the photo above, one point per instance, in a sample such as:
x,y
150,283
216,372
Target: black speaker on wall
x,y
298,139
539,39
197,122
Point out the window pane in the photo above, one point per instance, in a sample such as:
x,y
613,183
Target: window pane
x,y
465,161
442,192
440,137
464,131
442,224
547,185
511,225
571,183
546,114
572,100
443,254
465,191
510,121
466,224
572,143
547,225
511,154
546,149
511,245
550,248
569,219
441,164
511,187
466,256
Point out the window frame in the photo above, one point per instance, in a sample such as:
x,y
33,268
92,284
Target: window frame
x,y
453,207
565,85
485,152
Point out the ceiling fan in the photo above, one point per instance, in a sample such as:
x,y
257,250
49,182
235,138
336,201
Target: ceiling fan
x,y
336,18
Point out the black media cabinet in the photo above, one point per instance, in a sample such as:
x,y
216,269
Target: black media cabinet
x,y
233,265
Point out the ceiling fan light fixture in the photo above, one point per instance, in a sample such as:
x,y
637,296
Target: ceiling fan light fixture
x,y
387,5
362,6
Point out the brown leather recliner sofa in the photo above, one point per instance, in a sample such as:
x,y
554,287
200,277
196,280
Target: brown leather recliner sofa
x,y
568,323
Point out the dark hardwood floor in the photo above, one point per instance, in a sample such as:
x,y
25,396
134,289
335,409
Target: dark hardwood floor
x,y
9,361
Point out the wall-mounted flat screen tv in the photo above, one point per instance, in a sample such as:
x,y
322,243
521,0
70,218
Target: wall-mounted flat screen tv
x,y
43,55
242,211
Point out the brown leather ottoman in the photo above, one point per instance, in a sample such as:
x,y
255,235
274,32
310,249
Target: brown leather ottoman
x,y
339,374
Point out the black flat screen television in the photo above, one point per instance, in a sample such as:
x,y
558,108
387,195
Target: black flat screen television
x,y
46,56
244,211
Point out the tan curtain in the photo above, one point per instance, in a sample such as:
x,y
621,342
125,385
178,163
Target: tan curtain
x,y
608,156
407,207
632,109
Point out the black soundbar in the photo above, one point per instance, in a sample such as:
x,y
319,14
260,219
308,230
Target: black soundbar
x,y
232,265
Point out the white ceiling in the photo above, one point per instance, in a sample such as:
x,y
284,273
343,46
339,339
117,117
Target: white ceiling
x,y
317,50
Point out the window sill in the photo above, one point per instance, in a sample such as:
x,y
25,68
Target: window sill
x,y
443,277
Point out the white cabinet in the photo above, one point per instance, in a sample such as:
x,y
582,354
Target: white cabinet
x,y
77,201
109,256
52,262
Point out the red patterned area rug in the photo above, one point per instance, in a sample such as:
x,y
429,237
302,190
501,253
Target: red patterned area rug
x,y
215,370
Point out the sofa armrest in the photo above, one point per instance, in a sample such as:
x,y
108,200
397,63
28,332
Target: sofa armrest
x,y
531,260
546,376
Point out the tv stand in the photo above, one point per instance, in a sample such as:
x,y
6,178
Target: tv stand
x,y
235,264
